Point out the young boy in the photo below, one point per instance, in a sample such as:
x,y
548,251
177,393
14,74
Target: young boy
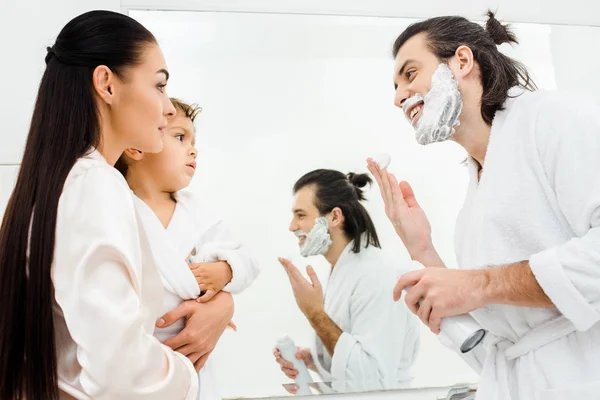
x,y
196,253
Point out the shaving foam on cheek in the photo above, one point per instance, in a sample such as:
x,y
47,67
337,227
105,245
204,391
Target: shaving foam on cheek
x,y
412,101
442,106
317,241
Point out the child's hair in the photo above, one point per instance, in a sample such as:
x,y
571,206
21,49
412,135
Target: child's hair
x,y
190,111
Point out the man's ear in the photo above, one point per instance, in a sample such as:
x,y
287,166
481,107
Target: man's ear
x,y
337,217
465,62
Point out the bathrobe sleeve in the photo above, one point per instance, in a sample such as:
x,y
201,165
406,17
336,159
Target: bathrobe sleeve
x,y
366,357
97,276
567,137
220,243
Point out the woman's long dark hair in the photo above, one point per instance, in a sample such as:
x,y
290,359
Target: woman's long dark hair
x,y
64,126
334,189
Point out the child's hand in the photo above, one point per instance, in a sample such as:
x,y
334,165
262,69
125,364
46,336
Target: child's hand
x,y
211,277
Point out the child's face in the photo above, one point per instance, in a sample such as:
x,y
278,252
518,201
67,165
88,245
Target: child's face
x,y
174,167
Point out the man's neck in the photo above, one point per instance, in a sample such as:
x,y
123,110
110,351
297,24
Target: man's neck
x,y
335,251
474,137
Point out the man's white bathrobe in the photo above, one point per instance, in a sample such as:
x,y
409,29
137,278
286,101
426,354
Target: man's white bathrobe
x,y
108,296
194,231
380,338
539,200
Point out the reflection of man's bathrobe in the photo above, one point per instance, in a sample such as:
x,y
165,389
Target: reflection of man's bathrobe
x,y
192,231
380,337
539,200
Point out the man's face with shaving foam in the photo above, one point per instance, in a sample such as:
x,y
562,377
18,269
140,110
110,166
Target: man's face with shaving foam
x,y
426,91
304,213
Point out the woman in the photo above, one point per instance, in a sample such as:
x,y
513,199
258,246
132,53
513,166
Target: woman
x,y
364,341
78,303
528,236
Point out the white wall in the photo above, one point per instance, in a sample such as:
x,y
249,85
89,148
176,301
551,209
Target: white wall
x,y
8,176
576,59
27,28
580,12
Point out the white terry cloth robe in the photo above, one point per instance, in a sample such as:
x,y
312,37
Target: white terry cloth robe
x,y
380,338
108,296
539,200
193,230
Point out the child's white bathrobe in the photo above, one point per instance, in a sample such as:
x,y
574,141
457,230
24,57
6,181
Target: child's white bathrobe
x,y
539,200
380,338
193,230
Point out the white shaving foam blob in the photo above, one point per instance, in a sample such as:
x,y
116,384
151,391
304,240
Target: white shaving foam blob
x,y
317,240
383,160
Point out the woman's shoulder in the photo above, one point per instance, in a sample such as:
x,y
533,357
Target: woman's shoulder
x,y
96,190
91,171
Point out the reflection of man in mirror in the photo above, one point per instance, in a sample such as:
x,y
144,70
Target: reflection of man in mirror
x,y
365,340
528,236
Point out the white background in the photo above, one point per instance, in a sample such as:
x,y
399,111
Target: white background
x,y
278,105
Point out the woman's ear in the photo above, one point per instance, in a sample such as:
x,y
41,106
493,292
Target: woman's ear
x,y
103,81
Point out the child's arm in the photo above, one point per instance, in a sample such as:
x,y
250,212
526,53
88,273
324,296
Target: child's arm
x,y
220,243
212,277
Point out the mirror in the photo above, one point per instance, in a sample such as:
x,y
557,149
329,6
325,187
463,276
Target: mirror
x,y
283,95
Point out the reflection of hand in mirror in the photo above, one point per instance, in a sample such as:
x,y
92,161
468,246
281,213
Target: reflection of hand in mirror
x,y
443,293
309,295
293,388
212,277
288,368
407,217
205,323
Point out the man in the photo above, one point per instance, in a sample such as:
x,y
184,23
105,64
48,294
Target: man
x,y
365,340
528,236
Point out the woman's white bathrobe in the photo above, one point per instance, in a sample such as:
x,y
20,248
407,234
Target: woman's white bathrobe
x,y
193,230
380,338
539,200
108,296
